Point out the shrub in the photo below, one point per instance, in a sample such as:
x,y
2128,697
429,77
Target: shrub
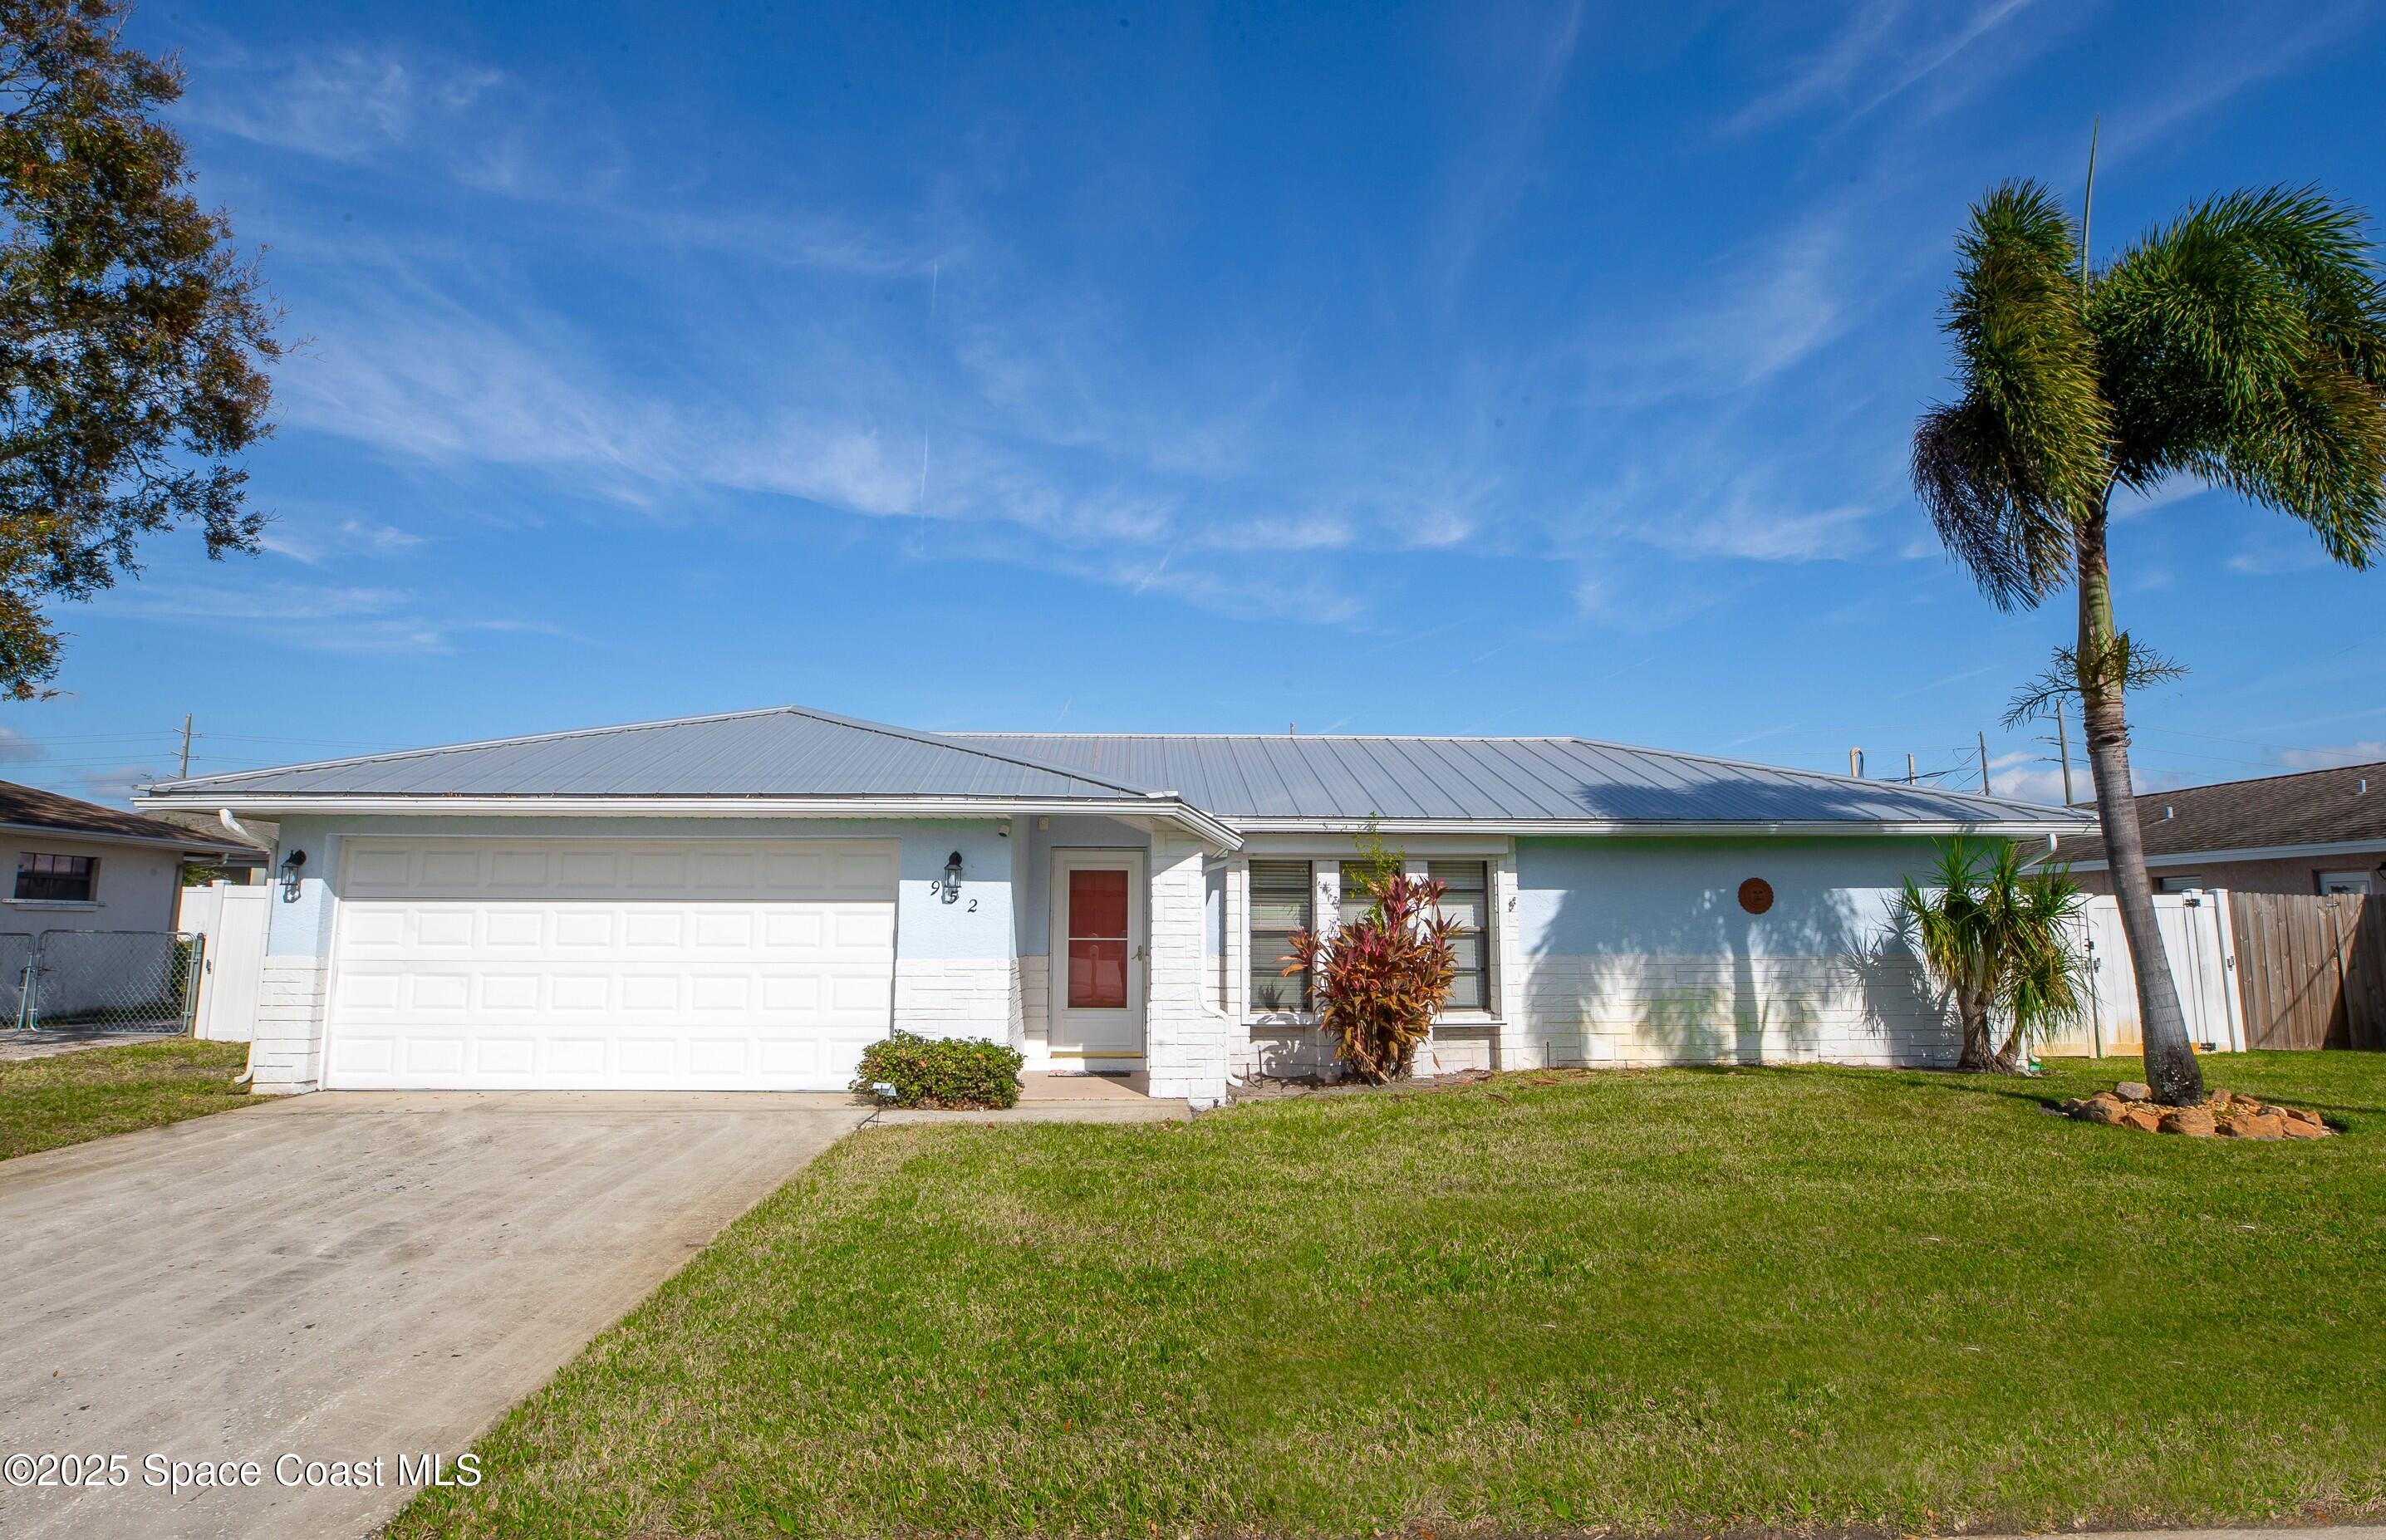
x,y
907,1070
1380,979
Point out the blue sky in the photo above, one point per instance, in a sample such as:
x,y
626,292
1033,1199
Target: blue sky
x,y
1479,368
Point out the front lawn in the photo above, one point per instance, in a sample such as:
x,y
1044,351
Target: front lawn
x,y
69,1097
1682,1302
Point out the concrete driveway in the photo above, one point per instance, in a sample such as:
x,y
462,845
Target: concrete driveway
x,y
343,1277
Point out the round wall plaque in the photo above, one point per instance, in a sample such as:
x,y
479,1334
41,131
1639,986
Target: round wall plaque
x,y
1756,896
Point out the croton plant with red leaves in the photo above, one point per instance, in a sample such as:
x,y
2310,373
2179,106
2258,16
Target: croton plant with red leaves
x,y
1379,981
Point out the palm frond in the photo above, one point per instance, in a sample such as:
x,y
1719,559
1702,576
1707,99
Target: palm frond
x,y
2244,344
2117,668
2007,468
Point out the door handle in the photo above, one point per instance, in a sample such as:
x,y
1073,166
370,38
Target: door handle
x,y
1138,954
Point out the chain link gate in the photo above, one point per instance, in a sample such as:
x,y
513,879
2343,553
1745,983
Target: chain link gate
x,y
15,962
112,981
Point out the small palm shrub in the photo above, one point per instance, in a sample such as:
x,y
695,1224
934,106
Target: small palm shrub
x,y
906,1070
1997,939
1380,979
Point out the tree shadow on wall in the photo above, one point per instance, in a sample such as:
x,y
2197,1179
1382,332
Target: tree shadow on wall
x,y
1654,962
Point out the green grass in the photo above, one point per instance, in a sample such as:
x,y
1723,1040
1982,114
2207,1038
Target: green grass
x,y
1676,1302
89,1093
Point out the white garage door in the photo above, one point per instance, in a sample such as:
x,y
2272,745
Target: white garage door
x,y
626,964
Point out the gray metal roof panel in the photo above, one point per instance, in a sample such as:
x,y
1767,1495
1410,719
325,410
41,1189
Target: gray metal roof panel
x,y
784,752
1505,779
793,752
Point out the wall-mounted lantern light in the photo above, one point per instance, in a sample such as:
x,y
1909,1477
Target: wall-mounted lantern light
x,y
293,867
953,877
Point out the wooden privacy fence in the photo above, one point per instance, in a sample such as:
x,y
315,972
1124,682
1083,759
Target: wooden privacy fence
x,y
2311,971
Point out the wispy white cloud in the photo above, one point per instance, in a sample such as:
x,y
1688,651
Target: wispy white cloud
x,y
343,103
316,543
18,749
2329,756
115,787
1885,49
316,617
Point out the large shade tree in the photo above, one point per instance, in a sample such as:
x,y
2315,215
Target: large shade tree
x,y
133,336
2243,345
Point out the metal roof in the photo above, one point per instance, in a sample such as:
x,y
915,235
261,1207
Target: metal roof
x,y
1264,779
789,752
786,751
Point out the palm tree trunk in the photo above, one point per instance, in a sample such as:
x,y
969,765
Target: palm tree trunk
x,y
2171,1070
1979,1055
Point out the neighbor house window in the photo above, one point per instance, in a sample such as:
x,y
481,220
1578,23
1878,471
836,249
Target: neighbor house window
x,y
2190,882
1467,896
1280,905
55,877
2345,882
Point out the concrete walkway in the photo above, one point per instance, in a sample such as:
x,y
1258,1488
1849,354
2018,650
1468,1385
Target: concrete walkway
x,y
1050,1098
343,1277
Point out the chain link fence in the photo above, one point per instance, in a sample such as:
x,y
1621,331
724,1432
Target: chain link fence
x,y
108,980
16,956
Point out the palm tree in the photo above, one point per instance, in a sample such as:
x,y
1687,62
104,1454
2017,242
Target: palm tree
x,y
1997,938
2243,345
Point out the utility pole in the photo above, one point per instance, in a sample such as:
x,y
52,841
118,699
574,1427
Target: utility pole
x,y
2063,746
183,770
1984,766
1909,767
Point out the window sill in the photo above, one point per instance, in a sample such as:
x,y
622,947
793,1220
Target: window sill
x,y
51,903
1290,1022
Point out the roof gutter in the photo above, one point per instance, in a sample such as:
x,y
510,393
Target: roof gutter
x,y
1569,827
2250,852
1172,810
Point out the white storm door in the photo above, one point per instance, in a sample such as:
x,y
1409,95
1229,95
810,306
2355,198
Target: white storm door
x,y
625,964
1097,957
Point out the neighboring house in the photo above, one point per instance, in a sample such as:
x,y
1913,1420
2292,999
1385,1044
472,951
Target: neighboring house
x,y
2316,832
743,901
77,866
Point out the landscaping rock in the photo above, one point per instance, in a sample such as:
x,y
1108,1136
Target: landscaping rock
x,y
2101,1107
2228,1114
2134,1091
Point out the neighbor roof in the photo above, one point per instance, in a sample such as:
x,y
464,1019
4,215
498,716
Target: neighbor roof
x,y
792,752
32,807
2327,806
1263,778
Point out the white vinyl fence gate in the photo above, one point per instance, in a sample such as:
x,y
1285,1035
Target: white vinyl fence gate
x,y
2202,948
231,916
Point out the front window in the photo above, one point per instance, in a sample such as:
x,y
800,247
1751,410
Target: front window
x,y
56,877
1280,905
1467,896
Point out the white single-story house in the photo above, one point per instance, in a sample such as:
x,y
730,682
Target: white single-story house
x,y
743,901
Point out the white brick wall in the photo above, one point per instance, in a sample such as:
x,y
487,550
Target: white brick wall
x,y
959,998
1185,1033
286,1055
1720,1009
1035,1004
